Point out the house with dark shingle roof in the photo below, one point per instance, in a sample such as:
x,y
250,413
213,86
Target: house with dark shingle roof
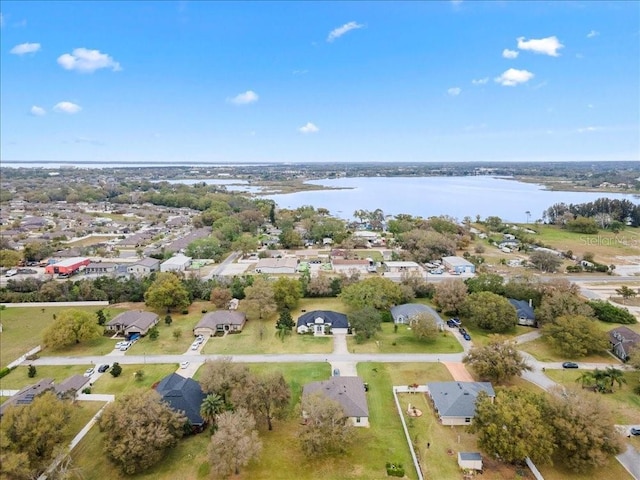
x,y
623,341
220,321
132,322
27,394
455,402
71,386
524,309
320,321
349,392
183,395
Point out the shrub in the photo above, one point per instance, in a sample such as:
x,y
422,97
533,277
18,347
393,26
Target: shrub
x,y
86,390
185,312
609,313
32,371
116,370
4,371
204,310
395,469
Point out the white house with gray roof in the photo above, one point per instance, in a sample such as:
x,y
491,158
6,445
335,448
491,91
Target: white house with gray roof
x,y
349,392
405,313
455,402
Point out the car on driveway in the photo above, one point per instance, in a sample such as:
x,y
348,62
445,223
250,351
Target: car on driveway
x,y
89,371
184,364
466,336
635,431
103,368
569,365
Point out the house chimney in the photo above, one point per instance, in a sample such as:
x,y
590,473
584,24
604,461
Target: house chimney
x,y
530,303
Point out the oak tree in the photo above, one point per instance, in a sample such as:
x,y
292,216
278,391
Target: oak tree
x,y
558,303
326,430
259,302
498,361
377,292
575,336
167,293
287,292
71,327
424,326
221,376
265,397
490,312
365,322
450,295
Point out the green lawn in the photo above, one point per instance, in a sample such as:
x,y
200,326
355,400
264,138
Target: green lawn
x,y
481,337
403,341
622,403
22,330
18,378
127,383
166,343
542,351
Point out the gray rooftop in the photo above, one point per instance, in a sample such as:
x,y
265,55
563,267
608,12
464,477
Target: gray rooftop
x,y
221,317
410,310
138,318
347,391
457,399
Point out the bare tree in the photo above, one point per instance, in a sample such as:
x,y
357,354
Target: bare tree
x,y
222,376
327,430
265,397
235,442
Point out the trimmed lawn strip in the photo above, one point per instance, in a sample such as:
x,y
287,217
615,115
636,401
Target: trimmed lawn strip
x,y
404,341
623,403
18,378
22,329
127,383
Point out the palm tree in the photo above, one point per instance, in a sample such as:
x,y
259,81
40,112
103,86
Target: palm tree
x,y
586,379
615,376
212,405
528,214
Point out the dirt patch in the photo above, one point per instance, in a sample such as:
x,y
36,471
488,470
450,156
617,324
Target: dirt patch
x,y
458,371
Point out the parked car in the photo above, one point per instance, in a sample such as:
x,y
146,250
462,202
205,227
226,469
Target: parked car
x,y
89,371
195,346
456,321
634,431
11,273
569,365
103,368
336,372
436,271
466,336
184,364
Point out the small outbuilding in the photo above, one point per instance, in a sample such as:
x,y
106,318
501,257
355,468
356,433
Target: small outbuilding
x,y
177,263
470,461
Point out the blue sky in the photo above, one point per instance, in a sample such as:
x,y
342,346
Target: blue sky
x,y
319,81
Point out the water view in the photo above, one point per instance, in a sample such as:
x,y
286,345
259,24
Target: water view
x,y
428,196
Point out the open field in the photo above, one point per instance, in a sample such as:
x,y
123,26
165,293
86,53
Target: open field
x,y
93,240
403,341
543,352
127,382
18,378
622,403
22,330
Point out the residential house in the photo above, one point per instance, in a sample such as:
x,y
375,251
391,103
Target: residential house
x,y
177,263
71,386
623,341
183,395
524,309
133,322
26,395
101,268
144,267
285,265
182,243
220,321
407,312
320,322
349,392
455,402
458,265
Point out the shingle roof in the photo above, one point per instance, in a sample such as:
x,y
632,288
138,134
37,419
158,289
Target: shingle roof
x,y
140,319
221,317
184,395
457,399
522,308
410,310
347,391
27,394
337,320
75,383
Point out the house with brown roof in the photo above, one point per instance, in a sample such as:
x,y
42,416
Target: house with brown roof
x,y
349,392
623,341
133,322
222,321
27,394
286,265
71,386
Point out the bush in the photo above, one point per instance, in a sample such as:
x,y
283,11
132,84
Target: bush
x,y
185,312
4,371
204,310
86,390
32,371
116,370
606,312
395,469
574,269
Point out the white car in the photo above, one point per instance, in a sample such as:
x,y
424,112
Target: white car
x,y
88,372
184,364
195,346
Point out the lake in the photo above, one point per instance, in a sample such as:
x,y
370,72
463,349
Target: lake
x,y
432,196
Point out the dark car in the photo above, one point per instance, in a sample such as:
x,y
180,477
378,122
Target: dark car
x,y
103,368
635,431
462,331
569,365
466,336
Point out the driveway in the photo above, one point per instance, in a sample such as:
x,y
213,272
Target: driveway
x,y
630,460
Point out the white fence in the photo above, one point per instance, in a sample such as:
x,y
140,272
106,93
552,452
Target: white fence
x,y
17,362
407,389
98,303
534,470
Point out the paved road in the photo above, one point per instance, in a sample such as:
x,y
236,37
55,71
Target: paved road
x,y
219,270
630,460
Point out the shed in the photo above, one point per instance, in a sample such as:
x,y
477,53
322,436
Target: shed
x,y
177,263
470,461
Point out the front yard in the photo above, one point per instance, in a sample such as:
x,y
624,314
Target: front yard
x,y
542,351
404,341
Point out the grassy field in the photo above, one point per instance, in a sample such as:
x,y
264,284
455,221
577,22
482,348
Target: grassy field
x,y
622,403
22,330
18,378
543,352
403,341
85,242
166,343
127,383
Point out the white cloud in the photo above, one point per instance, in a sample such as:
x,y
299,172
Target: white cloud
x,y
1,20
87,61
506,53
588,129
308,128
593,33
546,46
454,91
37,111
67,107
480,81
513,77
244,98
340,31
24,48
